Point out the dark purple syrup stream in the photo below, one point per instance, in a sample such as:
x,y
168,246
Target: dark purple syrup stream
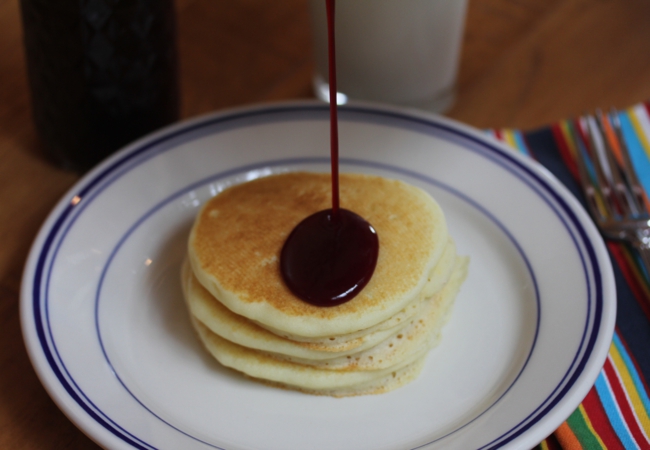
x,y
331,255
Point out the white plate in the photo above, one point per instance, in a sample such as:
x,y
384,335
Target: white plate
x,y
108,334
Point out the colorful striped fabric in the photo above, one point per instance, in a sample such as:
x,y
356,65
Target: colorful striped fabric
x,y
616,412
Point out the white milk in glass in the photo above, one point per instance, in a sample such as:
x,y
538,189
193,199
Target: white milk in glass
x,y
404,52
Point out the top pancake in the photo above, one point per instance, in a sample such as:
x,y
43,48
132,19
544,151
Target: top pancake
x,y
235,245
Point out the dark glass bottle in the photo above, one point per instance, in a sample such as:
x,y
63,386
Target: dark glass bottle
x,y
101,72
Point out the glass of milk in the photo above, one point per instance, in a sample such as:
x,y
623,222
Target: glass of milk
x,y
404,52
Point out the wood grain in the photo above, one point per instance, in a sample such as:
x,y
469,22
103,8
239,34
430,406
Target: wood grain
x,y
525,63
565,59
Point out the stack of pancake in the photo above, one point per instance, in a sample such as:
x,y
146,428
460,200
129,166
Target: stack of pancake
x,y
249,320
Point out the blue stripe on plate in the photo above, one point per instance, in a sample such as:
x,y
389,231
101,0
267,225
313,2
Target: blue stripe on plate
x,y
294,162
93,186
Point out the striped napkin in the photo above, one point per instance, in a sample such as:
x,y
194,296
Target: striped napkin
x,y
616,412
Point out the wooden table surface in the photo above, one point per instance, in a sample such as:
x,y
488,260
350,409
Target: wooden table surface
x,y
524,63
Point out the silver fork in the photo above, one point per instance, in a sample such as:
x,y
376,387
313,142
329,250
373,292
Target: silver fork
x,y
615,198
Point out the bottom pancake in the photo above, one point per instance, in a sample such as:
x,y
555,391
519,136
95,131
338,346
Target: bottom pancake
x,y
264,368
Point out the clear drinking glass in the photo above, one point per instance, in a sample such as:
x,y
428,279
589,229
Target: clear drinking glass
x,y
404,52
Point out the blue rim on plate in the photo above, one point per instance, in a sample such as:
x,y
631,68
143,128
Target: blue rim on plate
x,y
43,256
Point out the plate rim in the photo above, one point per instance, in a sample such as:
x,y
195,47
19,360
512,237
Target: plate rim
x,y
141,147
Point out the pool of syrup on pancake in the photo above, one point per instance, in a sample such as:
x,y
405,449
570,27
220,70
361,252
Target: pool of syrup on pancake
x,y
331,255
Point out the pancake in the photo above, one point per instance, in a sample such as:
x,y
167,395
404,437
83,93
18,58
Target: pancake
x,y
379,349
250,322
236,328
220,320
265,368
236,240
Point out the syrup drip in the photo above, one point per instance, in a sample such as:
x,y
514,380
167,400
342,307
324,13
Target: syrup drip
x,y
331,255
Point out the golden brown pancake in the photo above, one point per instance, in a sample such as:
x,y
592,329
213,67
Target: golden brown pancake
x,y
377,349
249,321
236,240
